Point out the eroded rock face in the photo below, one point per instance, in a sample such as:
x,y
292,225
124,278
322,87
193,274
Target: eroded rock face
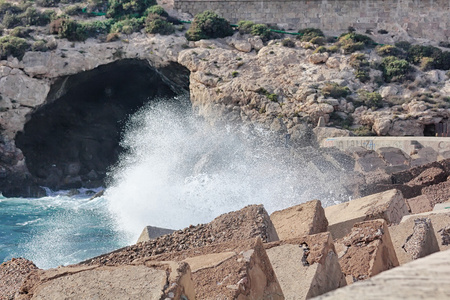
x,y
71,142
13,274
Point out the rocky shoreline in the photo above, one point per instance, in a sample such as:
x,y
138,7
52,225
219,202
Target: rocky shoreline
x,y
299,252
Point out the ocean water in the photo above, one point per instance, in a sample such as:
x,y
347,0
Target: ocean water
x,y
57,229
177,170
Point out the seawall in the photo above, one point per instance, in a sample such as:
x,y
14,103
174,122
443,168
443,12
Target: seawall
x,y
428,19
408,144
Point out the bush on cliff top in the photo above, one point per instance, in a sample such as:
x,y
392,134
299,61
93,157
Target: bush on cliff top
x,y
307,34
334,90
395,69
208,25
158,24
352,42
11,45
135,8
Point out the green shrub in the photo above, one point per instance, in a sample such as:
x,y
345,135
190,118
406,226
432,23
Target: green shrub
x,y
318,40
361,65
47,3
69,29
307,34
128,26
395,69
288,43
208,25
334,90
32,16
11,45
441,59
362,75
370,99
94,28
156,24
352,42
73,10
341,122
21,32
333,49
262,31
245,27
10,20
133,8
271,97
389,50
320,49
157,10
426,64
403,45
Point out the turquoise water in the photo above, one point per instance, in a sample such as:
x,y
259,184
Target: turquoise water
x,y
57,230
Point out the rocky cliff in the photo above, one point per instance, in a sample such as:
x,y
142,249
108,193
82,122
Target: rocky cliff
x,y
53,98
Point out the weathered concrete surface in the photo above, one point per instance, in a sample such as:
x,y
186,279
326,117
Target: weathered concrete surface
x,y
388,205
441,206
424,278
406,144
439,220
152,232
162,281
234,270
297,221
369,251
405,233
306,267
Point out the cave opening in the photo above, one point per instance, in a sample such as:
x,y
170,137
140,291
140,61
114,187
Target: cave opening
x,y
72,140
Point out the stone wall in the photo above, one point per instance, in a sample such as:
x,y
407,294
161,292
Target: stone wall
x,y
428,19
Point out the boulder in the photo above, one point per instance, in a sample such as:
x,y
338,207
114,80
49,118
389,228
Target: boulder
x,y
368,251
303,219
419,204
318,58
151,232
388,205
393,156
413,239
425,278
168,280
306,267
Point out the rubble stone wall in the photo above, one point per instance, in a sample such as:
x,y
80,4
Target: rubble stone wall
x,y
418,18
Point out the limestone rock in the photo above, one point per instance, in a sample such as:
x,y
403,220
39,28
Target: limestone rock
x,y
419,204
333,62
303,219
318,58
388,205
369,251
151,232
306,267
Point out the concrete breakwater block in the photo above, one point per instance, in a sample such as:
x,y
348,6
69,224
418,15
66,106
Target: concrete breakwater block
x,y
367,250
430,197
250,222
232,270
306,267
440,221
424,278
388,205
152,232
413,239
168,280
300,220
